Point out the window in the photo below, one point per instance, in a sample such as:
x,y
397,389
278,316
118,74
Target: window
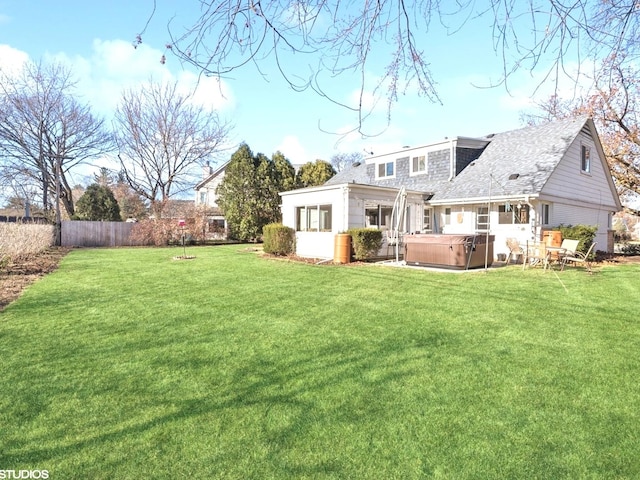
x,y
379,216
315,218
426,219
482,219
447,216
546,214
203,197
386,169
510,214
419,164
585,164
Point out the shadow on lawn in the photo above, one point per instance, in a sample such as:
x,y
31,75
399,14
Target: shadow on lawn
x,y
286,402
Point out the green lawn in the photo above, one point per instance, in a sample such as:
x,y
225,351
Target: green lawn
x,y
128,364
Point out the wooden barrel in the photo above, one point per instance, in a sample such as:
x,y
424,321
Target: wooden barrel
x,y
342,248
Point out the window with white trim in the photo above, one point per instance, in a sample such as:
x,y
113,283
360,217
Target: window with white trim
x,y
426,219
447,216
379,216
585,159
513,214
482,219
546,214
386,169
419,164
313,218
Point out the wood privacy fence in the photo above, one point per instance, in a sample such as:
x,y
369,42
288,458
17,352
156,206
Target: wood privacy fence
x,y
96,234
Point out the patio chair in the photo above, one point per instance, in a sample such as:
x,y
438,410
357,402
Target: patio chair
x,y
515,249
567,248
537,254
580,258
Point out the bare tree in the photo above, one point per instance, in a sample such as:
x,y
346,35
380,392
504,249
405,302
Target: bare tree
x,y
614,104
162,137
45,133
330,38
342,161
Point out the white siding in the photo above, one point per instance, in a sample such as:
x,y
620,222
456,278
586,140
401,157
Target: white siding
x,y
210,190
567,181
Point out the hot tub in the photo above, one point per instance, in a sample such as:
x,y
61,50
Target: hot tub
x,y
448,251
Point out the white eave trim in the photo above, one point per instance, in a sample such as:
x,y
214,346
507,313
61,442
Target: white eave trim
x,y
476,200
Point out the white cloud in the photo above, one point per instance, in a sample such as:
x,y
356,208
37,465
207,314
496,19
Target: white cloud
x,y
210,92
291,148
11,59
115,65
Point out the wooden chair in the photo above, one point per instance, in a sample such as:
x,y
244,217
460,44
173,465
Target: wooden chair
x,y
515,249
580,258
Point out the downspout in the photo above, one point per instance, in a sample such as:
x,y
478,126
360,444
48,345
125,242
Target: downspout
x,y
533,218
345,208
452,159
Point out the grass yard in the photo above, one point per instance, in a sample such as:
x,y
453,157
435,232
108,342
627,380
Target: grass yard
x,y
127,364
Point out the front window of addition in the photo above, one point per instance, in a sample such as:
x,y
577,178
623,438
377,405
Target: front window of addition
x,y
313,218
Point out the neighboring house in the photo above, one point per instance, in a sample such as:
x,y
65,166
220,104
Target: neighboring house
x,y
206,197
511,184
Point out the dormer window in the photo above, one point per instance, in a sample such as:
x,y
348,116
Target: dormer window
x,y
585,163
386,169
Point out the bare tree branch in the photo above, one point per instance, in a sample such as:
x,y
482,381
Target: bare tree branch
x,y
162,136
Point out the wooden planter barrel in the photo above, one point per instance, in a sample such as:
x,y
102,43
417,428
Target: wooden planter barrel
x,y
342,248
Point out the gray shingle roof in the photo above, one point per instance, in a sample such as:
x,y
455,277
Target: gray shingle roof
x,y
531,152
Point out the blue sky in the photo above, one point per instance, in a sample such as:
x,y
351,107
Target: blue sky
x,y
95,38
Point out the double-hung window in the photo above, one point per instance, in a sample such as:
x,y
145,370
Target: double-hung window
x,y
419,164
482,219
426,219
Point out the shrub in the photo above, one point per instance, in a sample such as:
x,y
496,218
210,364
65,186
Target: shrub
x,y
278,239
584,233
98,204
630,249
167,231
19,240
366,242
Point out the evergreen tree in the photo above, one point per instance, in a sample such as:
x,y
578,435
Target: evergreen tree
x,y
248,194
316,173
97,204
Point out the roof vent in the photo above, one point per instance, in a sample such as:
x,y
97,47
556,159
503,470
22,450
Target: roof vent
x,y
356,164
514,176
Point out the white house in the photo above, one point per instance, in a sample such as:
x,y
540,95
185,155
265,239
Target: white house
x,y
512,184
206,197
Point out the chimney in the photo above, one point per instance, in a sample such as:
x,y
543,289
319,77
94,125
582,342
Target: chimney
x,y
206,170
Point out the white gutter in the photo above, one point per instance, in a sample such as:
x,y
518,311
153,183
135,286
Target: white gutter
x,y
452,152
